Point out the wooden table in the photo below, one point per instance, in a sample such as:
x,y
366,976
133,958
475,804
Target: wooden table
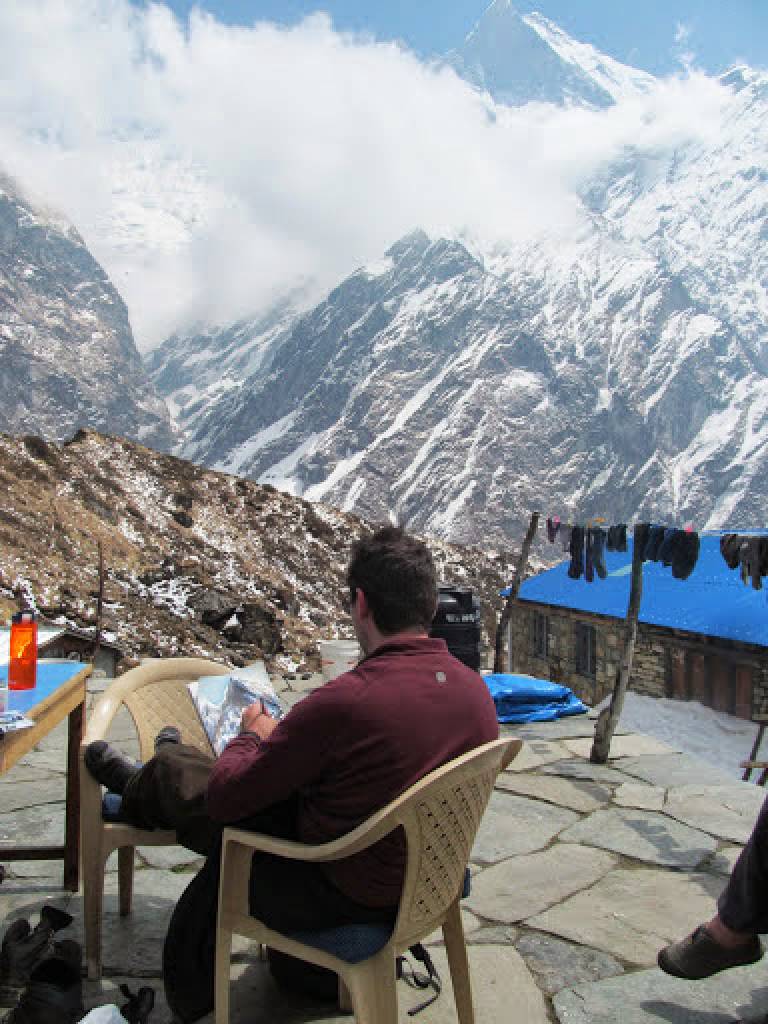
x,y
60,693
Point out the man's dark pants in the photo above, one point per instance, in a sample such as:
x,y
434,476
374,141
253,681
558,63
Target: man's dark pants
x,y
169,792
743,904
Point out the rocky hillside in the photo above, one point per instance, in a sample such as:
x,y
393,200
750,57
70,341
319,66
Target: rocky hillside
x,y
66,349
197,562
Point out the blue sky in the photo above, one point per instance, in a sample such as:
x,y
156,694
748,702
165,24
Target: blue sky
x,y
641,32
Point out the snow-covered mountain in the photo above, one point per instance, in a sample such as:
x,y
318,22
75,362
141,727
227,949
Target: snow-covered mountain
x,y
66,349
621,373
520,58
195,371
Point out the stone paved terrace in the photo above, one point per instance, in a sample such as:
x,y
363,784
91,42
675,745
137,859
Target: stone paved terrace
x,y
580,874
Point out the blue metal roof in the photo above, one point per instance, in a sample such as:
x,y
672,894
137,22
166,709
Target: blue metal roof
x,y
712,601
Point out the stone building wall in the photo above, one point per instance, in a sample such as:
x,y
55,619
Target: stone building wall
x,y
651,672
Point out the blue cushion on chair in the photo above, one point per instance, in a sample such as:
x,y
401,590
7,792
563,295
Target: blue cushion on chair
x,y
349,942
110,807
356,942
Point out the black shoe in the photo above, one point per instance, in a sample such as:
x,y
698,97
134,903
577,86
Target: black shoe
x,y
139,1006
54,994
23,948
700,956
168,734
109,766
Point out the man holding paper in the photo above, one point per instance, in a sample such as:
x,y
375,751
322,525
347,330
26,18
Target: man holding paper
x,y
339,755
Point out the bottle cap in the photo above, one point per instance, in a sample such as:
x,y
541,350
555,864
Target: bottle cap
x,y
25,616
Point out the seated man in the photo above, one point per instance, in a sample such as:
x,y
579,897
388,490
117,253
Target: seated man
x,y
342,753
730,939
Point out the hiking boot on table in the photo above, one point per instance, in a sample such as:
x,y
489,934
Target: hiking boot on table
x,y
700,956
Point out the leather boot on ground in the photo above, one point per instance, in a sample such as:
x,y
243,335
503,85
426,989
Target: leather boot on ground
x,y
54,993
24,947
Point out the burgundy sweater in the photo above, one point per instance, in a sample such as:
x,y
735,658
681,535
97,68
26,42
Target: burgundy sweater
x,y
355,744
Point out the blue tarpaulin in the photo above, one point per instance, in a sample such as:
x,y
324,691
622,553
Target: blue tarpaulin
x,y
527,699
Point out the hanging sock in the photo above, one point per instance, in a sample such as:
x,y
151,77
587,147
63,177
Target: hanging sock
x,y
553,525
589,562
686,554
621,537
610,540
666,547
753,559
576,568
655,538
729,549
598,551
565,537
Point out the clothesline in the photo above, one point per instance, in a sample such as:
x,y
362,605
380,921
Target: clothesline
x,y
672,546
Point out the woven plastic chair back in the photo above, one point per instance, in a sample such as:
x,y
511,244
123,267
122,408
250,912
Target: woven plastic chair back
x,y
159,696
440,826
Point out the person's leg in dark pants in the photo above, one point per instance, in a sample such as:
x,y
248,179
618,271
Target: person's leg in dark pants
x,y
169,792
743,904
730,939
286,895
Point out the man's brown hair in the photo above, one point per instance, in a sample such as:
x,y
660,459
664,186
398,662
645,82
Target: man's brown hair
x,y
398,577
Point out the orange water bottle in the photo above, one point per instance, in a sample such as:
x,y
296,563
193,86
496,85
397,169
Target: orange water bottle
x,y
22,666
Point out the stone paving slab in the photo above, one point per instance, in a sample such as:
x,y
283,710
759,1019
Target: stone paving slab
x,y
500,980
632,745
537,752
170,857
134,944
644,835
33,826
728,812
724,860
514,824
670,770
23,772
574,794
25,898
557,964
639,795
651,997
34,793
600,773
469,922
523,886
632,914
570,727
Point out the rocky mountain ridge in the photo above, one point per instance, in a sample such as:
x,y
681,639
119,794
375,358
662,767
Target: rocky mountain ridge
x,y
66,349
196,562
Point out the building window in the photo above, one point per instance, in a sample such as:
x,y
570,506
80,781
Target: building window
x,y
540,635
586,660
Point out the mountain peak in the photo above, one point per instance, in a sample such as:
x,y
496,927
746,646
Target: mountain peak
x,y
520,58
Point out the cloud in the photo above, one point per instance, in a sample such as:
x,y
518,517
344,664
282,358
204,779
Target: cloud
x,y
214,168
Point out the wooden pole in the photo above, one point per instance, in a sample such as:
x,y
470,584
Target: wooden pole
x,y
99,604
506,613
608,718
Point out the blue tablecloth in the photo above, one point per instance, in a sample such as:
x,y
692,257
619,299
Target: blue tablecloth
x,y
49,678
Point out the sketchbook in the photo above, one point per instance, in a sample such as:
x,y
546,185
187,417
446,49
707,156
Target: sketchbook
x,y
221,700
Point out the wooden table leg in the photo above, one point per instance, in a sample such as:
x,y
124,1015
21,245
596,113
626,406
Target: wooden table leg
x,y
72,827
